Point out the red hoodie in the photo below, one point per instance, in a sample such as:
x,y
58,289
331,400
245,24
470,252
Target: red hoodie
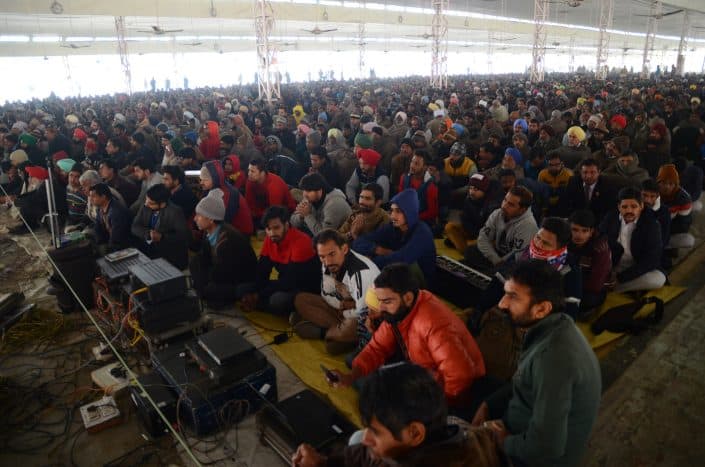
x,y
210,147
237,177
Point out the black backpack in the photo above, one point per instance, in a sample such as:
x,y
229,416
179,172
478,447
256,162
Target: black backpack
x,y
621,319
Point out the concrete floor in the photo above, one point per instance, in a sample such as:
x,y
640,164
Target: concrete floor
x,y
652,414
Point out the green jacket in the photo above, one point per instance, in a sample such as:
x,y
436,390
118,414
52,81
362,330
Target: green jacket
x,y
555,395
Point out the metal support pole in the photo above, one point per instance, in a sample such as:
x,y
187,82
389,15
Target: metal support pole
x,y
490,51
654,15
606,12
683,44
571,53
267,82
361,49
122,50
439,47
538,52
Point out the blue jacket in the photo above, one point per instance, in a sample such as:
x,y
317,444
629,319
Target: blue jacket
x,y
414,246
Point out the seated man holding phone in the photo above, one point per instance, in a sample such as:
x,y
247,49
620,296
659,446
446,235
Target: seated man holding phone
x,y
404,413
425,331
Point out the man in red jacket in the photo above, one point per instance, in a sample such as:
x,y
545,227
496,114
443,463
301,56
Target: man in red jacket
x,y
420,328
264,189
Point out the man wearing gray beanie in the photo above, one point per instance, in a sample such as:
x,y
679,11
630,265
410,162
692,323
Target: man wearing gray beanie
x,y
226,260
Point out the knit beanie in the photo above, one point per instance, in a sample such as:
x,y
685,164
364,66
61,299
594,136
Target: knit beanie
x,y
364,141
212,205
668,173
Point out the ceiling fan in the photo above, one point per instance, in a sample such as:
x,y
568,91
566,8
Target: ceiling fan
x,y
570,3
661,15
74,46
158,31
425,35
56,8
317,31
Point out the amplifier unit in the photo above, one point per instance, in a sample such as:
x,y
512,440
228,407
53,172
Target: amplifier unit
x,y
162,280
458,282
114,267
159,317
162,395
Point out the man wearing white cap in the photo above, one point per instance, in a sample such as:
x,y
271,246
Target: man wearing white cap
x,y
226,259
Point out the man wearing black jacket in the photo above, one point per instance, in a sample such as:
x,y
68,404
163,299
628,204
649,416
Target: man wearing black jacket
x,y
160,228
587,190
634,237
226,260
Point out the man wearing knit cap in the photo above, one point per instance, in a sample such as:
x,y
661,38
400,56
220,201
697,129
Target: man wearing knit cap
x,y
226,259
481,200
680,207
368,171
406,239
322,206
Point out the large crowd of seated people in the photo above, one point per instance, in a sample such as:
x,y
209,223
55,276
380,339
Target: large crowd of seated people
x,y
559,191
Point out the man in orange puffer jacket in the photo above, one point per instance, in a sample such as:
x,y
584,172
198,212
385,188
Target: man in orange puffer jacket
x,y
423,330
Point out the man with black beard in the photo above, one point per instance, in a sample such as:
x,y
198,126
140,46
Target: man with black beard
x,y
426,332
545,415
367,215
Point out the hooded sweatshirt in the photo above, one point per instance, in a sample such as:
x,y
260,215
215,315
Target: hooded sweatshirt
x,y
237,177
211,146
413,246
500,239
237,212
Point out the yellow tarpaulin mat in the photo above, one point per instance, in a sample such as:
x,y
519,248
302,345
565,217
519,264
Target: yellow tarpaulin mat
x,y
304,357
666,294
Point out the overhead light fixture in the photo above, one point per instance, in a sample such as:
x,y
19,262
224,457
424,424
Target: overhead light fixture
x,y
56,8
325,15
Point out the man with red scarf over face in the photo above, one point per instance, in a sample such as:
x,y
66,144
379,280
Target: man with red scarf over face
x,y
550,244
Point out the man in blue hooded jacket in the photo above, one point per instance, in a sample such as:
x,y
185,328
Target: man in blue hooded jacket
x,y
404,240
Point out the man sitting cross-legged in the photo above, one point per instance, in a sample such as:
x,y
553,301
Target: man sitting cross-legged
x,y
332,314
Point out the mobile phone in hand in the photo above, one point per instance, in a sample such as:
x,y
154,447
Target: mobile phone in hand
x,y
330,376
